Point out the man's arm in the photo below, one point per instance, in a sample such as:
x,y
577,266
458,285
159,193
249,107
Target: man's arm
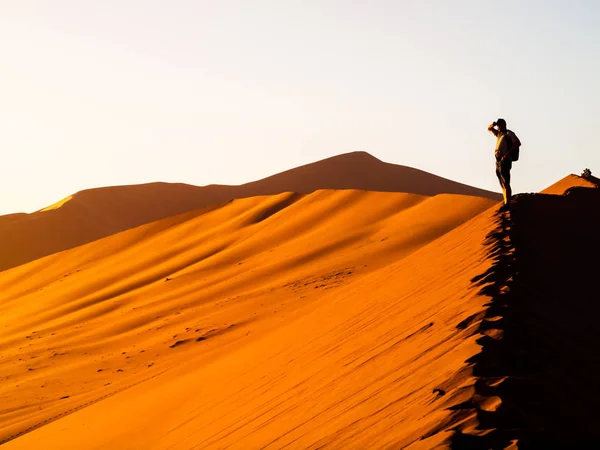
x,y
493,130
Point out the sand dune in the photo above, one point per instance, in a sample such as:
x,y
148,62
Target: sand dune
x,y
569,182
213,287
539,335
362,171
346,319
96,213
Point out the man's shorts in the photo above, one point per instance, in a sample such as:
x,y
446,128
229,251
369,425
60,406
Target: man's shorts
x,y
503,171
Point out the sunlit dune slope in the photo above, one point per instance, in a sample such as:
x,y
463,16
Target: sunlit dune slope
x,y
570,181
96,213
261,313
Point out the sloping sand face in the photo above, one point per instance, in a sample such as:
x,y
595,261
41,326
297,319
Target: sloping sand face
x,y
341,319
289,319
537,373
570,181
91,215
96,213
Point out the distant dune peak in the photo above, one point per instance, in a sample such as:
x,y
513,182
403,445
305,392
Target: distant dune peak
x,y
95,213
358,155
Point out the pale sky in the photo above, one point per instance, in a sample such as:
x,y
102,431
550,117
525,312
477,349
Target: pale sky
x,y
125,92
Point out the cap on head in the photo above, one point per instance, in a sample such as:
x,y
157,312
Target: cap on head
x,y
501,122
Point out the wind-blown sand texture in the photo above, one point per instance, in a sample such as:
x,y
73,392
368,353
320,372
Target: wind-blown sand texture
x,y
195,284
346,319
96,213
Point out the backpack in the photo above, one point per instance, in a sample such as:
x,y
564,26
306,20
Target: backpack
x,y
516,145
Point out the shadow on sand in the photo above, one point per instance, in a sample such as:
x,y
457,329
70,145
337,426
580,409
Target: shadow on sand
x,y
538,372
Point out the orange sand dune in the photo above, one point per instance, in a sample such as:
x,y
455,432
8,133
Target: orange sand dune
x,y
96,213
568,182
344,319
536,376
357,170
277,319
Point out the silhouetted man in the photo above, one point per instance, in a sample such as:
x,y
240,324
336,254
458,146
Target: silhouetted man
x,y
507,151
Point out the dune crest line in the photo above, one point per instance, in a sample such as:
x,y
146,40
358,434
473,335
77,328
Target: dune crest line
x,y
93,214
535,375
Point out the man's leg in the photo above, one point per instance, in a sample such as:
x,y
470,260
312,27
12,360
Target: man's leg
x,y
501,180
507,191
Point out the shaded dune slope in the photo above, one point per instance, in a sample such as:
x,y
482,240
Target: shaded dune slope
x,y
96,213
89,324
536,374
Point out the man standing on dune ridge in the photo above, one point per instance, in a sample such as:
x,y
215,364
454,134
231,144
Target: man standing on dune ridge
x,y
507,151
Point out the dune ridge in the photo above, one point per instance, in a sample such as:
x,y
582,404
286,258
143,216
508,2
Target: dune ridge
x,y
571,181
539,334
92,214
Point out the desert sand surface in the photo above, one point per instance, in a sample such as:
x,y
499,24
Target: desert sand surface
x,y
93,214
341,319
540,334
90,321
569,182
